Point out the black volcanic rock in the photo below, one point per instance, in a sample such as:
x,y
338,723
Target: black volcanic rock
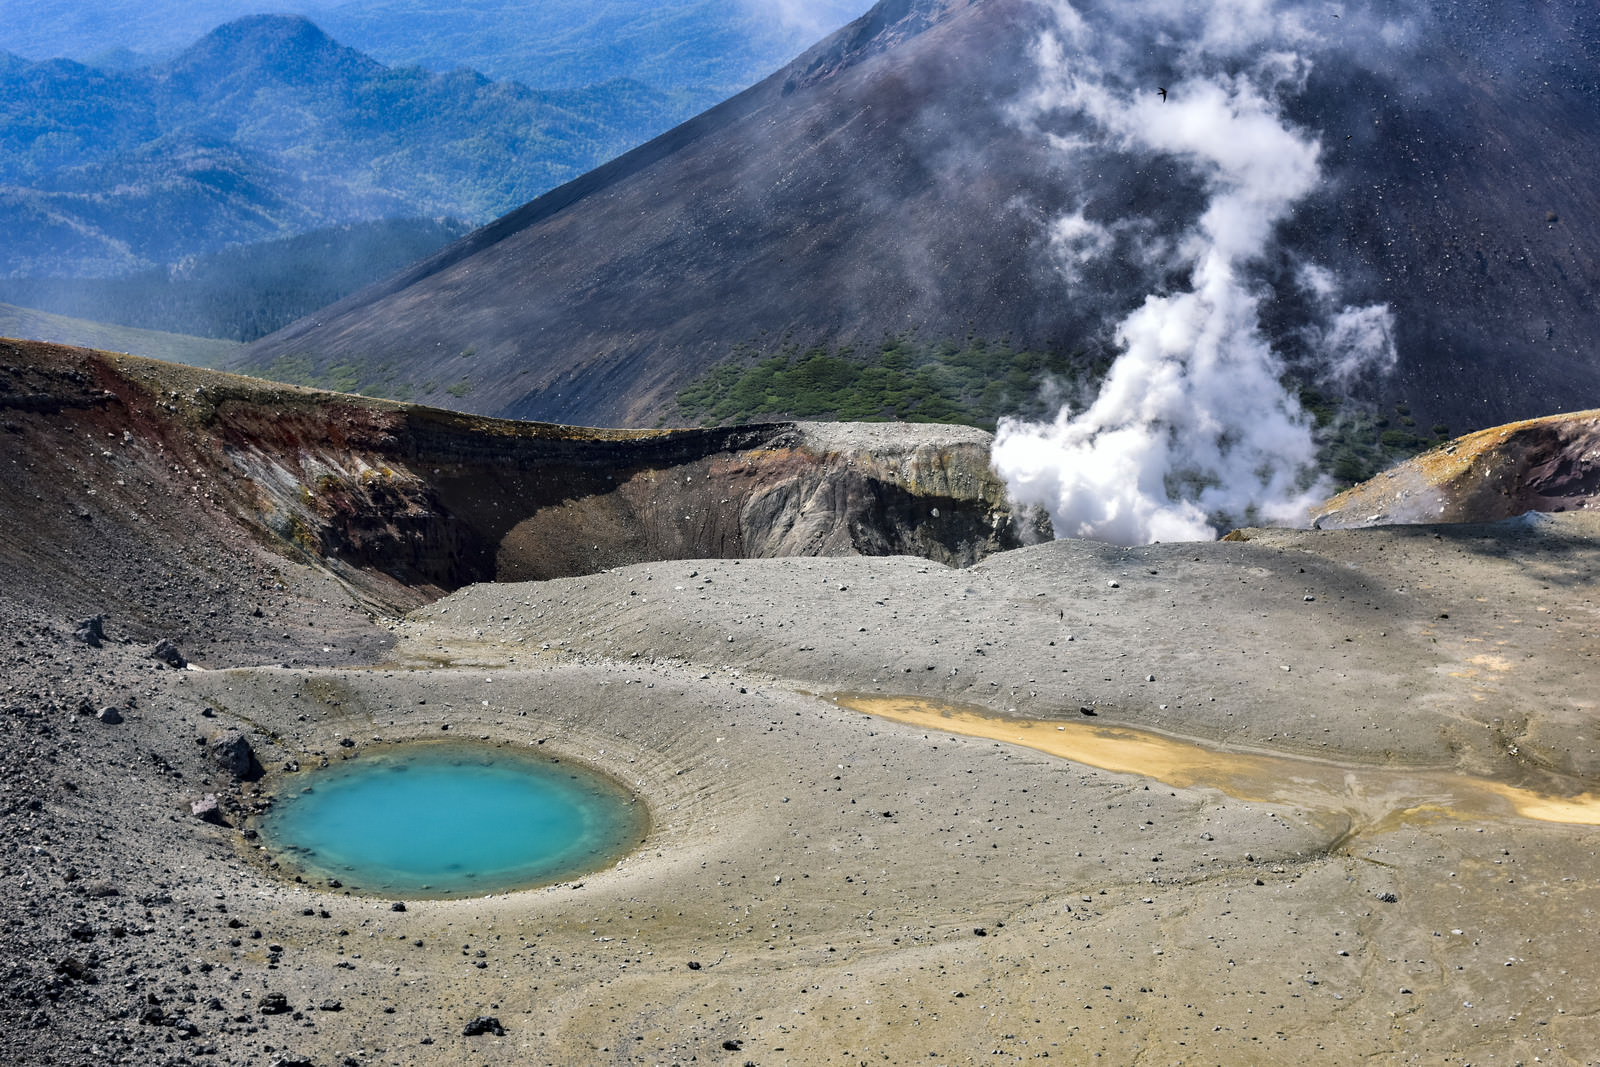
x,y
208,809
884,182
91,631
231,752
168,653
273,1004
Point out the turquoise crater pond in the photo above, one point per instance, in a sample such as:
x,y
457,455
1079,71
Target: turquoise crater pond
x,y
441,819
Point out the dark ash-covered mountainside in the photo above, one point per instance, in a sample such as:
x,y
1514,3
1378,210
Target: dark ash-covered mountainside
x,y
815,201
886,182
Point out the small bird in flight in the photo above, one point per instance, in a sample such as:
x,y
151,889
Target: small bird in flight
x,y
1163,93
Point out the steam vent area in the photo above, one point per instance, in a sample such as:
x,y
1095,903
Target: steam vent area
x,y
907,780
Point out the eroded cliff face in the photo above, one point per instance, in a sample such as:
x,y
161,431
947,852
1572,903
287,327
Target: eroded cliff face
x,y
410,501
804,489
1550,464
443,500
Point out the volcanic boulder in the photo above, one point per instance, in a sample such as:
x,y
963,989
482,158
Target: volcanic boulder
x,y
231,752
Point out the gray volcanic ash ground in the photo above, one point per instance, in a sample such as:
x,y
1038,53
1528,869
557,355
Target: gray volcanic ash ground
x,y
819,882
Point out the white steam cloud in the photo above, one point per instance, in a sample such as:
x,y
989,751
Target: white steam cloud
x,y
1076,242
1191,422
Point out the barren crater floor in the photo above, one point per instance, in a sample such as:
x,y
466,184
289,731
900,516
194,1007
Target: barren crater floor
x,y
821,884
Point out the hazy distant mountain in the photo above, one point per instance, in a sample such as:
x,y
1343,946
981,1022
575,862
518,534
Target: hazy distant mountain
x,y
173,347
889,180
245,292
267,128
154,29
698,51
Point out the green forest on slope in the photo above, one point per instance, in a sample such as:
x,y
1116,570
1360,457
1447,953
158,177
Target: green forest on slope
x,y
903,378
976,382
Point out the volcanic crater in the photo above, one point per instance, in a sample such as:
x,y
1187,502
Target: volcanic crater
x,y
712,618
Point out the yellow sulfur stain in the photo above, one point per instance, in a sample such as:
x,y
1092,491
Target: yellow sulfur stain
x,y
1371,796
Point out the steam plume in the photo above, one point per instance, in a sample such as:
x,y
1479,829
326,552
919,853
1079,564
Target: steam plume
x,y
1192,421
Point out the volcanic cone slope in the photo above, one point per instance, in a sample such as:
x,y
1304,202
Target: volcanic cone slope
x,y
901,176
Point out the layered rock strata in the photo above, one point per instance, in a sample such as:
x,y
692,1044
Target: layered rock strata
x,y
403,500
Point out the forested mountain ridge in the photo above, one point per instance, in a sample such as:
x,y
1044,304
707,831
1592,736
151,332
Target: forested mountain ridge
x,y
697,51
268,128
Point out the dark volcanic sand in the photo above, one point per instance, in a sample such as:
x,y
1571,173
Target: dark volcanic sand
x,y
852,889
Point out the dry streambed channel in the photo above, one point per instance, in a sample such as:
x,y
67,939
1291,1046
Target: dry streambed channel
x,y
1313,795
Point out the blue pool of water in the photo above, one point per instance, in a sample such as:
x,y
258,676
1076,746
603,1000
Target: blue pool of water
x,y
450,820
